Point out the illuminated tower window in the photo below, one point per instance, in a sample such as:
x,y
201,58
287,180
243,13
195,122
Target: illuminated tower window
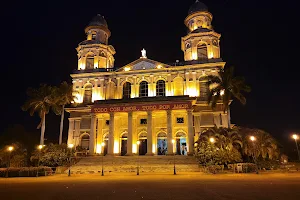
x,y
202,51
90,62
87,94
143,89
160,88
126,90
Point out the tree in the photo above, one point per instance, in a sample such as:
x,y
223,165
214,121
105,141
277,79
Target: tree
x,y
224,86
40,101
219,146
52,155
64,95
264,146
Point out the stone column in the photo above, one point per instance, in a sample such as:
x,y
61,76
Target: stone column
x,y
77,132
111,137
99,134
129,138
169,133
71,131
190,133
92,143
149,134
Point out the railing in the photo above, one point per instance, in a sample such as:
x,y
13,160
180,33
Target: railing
x,y
199,61
93,70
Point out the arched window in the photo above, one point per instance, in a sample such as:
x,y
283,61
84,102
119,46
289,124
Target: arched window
x,y
126,90
85,141
87,98
202,51
160,88
143,89
89,61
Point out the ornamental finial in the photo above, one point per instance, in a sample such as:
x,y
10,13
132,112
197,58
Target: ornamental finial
x,y
144,53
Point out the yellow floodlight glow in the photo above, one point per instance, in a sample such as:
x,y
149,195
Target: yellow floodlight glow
x,y
126,69
212,140
252,138
10,148
70,146
295,136
40,146
173,141
159,67
138,142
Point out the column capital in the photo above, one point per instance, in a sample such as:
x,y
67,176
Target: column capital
x,y
189,110
149,112
130,113
71,119
169,112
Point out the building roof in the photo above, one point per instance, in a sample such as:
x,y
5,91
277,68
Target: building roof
x,y
197,7
98,20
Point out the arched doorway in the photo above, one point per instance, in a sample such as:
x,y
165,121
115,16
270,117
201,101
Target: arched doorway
x,y
124,144
162,145
105,139
85,141
143,143
181,146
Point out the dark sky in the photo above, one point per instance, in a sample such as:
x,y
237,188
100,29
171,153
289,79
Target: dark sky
x,y
39,40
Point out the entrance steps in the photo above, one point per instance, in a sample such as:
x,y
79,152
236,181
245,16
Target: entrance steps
x,y
93,164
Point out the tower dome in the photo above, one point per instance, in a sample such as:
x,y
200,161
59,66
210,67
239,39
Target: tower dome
x,y
98,20
197,7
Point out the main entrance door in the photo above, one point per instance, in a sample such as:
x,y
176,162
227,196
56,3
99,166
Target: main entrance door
x,y
124,144
105,150
162,145
143,144
181,146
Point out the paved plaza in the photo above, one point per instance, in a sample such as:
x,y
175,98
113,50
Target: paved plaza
x,y
153,186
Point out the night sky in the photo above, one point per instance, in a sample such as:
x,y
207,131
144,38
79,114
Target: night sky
x,y
39,40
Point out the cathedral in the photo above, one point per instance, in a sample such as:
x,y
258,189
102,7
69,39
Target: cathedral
x,y
145,107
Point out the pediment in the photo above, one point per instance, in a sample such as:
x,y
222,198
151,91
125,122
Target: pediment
x,y
143,64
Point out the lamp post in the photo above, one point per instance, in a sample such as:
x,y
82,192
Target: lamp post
x,y
9,149
253,139
70,146
40,147
296,137
138,153
102,147
173,142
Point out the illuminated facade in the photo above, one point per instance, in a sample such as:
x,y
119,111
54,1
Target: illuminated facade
x,y
163,106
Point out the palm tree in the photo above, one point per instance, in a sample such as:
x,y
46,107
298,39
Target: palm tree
x,y
224,86
39,100
64,95
264,145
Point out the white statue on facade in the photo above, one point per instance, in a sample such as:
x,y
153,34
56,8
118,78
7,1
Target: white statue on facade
x,y
144,53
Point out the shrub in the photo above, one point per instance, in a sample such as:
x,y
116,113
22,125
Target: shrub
x,y
25,171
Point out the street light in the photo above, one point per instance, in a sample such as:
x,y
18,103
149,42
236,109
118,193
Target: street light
x,y
138,152
40,147
253,139
70,146
9,149
212,140
296,137
173,142
102,149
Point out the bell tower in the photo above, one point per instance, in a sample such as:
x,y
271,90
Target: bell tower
x,y
94,52
202,42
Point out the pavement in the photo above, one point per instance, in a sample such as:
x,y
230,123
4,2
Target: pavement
x,y
185,186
